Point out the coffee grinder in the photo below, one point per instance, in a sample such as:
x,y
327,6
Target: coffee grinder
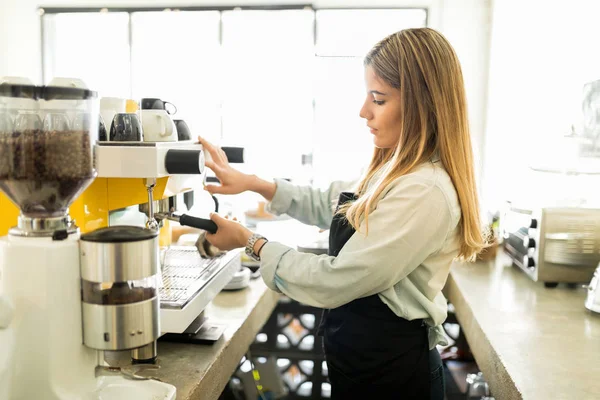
x,y
67,298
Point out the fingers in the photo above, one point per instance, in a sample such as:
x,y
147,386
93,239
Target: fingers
x,y
223,155
217,219
212,150
215,189
210,164
205,143
214,217
216,153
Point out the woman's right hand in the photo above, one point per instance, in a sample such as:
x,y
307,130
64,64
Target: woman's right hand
x,y
232,180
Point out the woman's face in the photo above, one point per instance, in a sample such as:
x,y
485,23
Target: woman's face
x,y
381,109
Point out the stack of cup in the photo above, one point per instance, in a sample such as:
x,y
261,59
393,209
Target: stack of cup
x,y
156,120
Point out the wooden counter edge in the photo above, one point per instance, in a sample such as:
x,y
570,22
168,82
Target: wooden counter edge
x,y
502,386
216,377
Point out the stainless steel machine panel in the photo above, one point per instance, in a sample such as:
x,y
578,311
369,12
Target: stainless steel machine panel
x,y
185,273
120,327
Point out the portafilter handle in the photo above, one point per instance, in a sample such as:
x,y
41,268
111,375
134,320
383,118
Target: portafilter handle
x,y
188,220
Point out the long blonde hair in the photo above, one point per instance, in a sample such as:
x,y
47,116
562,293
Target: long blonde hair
x,y
423,65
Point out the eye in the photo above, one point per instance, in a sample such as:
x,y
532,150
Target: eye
x,y
379,102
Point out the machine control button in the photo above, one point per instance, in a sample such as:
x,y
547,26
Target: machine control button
x,y
528,242
61,234
189,162
201,162
528,262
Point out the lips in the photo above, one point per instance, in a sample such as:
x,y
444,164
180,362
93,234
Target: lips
x,y
373,130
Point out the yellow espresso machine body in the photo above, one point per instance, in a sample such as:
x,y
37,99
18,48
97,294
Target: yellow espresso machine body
x,y
8,214
91,210
111,191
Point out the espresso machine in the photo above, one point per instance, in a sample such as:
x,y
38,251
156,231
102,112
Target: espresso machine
x,y
65,297
155,176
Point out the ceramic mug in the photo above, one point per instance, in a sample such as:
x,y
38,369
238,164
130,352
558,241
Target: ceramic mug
x,y
183,131
126,128
158,126
158,104
111,106
102,134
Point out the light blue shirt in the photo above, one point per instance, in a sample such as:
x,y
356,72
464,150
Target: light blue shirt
x,y
405,258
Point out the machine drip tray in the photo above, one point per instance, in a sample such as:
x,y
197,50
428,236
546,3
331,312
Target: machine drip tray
x,y
190,282
200,331
184,274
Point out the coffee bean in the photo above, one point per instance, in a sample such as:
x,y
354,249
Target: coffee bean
x,y
44,171
119,293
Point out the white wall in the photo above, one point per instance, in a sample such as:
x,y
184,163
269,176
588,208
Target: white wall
x,y
542,52
464,22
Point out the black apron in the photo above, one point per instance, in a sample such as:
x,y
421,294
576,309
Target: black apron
x,y
372,353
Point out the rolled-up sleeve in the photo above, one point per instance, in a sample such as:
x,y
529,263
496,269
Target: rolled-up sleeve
x,y
306,204
410,223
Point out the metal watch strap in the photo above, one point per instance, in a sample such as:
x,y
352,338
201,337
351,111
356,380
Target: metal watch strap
x,y
250,246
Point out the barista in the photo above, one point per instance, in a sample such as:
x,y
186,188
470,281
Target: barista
x,y
393,236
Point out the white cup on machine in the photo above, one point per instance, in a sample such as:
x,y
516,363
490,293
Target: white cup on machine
x,y
158,126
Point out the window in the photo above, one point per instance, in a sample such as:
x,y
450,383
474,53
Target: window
x,y
282,83
176,57
267,86
90,46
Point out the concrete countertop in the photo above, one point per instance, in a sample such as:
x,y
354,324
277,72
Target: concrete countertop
x,y
200,371
529,341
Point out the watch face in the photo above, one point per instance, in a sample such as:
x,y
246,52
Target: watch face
x,y
251,254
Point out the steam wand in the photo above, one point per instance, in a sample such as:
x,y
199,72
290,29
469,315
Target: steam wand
x,y
152,223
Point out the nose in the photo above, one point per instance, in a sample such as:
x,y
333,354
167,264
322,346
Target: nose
x,y
365,112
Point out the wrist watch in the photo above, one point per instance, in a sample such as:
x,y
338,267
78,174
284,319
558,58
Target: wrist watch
x,y
250,246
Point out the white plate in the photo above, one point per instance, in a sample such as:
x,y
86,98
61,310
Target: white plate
x,y
119,388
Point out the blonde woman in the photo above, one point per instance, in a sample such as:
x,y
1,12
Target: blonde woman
x,y
393,238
